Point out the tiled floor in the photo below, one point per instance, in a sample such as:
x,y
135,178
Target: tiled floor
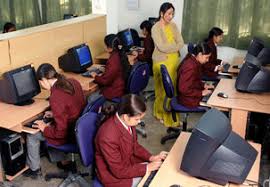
x,y
155,130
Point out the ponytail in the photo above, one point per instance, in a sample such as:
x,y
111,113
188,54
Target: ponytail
x,y
47,71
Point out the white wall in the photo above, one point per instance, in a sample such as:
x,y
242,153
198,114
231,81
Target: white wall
x,y
119,17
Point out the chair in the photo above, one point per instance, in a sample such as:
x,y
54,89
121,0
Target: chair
x,y
174,106
137,82
85,131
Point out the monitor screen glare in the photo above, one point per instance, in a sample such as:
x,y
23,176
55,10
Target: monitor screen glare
x,y
24,81
84,55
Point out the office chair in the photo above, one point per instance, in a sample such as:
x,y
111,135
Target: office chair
x,y
137,82
85,131
174,106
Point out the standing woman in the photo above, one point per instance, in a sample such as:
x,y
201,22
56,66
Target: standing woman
x,y
168,41
211,68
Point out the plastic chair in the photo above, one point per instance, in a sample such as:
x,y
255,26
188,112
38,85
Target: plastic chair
x,y
175,107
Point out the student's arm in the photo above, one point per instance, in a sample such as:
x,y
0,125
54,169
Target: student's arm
x,y
164,47
186,84
58,128
178,37
111,154
111,71
140,152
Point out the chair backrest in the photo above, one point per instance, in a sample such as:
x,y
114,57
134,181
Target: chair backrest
x,y
94,106
138,78
85,130
167,81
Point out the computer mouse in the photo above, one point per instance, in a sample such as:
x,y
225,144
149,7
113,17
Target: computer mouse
x,y
223,95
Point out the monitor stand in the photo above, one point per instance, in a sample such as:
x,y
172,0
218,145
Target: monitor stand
x,y
27,102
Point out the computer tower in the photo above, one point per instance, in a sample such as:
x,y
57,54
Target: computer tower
x,y
13,155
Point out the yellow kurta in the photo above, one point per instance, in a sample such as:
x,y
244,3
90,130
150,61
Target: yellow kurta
x,y
171,63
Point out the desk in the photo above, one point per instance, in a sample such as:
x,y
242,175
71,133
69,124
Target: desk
x,y
239,103
170,173
14,117
87,83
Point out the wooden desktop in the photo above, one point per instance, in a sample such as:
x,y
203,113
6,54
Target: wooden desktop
x,y
170,173
236,61
239,103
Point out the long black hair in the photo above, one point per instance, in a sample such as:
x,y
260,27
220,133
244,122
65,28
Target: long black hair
x,y
112,41
147,25
164,7
47,71
215,31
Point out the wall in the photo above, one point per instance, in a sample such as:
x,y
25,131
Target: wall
x,y
119,17
46,43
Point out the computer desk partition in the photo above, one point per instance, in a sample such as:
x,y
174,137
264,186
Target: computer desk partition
x,y
240,104
170,173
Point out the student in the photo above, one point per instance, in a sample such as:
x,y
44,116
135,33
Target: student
x,y
211,68
66,102
121,161
148,45
168,41
190,87
9,27
112,81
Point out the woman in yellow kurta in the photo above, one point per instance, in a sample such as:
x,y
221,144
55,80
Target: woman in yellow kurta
x,y
168,41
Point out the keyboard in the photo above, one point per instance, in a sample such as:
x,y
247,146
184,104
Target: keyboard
x,y
32,123
226,67
150,178
205,98
88,73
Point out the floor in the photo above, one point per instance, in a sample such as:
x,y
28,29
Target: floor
x,y
155,130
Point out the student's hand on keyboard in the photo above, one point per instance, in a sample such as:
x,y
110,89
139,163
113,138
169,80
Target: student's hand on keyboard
x,y
93,74
206,92
40,125
152,166
160,157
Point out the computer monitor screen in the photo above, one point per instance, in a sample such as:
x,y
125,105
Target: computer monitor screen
x,y
84,55
126,38
214,152
24,82
18,86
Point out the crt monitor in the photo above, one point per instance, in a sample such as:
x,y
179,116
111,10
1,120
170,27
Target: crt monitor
x,y
255,46
18,86
215,153
77,59
126,39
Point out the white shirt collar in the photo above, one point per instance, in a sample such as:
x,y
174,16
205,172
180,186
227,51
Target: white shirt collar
x,y
117,115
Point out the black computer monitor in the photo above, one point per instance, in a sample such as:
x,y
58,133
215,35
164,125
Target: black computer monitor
x,y
18,86
152,20
126,39
264,56
215,153
69,16
255,46
77,59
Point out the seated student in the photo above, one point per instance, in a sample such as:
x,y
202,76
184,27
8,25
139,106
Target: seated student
x,y
112,81
9,27
148,45
210,69
128,59
120,159
189,83
66,102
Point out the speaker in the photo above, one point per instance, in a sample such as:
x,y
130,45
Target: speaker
x,y
12,152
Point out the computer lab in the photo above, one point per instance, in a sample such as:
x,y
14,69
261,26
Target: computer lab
x,y
135,93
